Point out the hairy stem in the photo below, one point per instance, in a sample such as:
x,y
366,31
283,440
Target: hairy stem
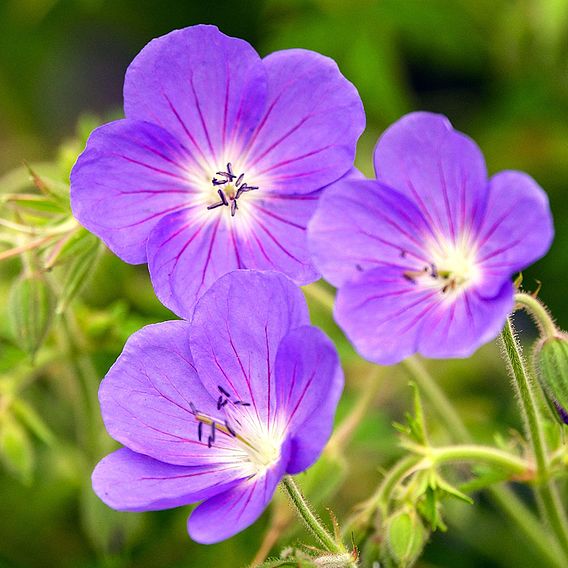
x,y
310,519
539,313
548,497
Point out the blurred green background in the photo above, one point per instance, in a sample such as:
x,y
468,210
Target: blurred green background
x,y
497,68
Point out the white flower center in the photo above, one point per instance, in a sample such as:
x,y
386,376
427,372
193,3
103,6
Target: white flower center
x,y
453,268
241,435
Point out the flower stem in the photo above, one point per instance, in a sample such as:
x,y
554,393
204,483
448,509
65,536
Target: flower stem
x,y
547,494
539,313
431,457
475,453
310,519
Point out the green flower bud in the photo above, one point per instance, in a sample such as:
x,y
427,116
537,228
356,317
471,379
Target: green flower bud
x,y
551,363
31,305
406,537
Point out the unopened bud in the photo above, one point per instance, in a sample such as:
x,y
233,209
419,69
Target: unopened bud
x,y
551,363
30,309
406,537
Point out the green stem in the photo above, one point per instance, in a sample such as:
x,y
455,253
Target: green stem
x,y
548,496
401,470
539,313
431,457
442,406
306,513
475,453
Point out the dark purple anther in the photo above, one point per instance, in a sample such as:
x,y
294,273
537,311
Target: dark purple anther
x,y
223,391
193,408
200,430
234,207
239,180
215,205
223,196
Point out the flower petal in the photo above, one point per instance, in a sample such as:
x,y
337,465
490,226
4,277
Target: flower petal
x,y
236,330
207,89
381,313
128,481
308,134
187,252
146,397
362,224
229,513
441,170
130,175
309,382
458,328
517,229
277,239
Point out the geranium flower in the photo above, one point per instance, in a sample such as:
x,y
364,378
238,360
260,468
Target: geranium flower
x,y
220,409
219,161
423,256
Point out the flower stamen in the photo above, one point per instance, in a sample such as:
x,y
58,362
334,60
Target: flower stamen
x,y
230,192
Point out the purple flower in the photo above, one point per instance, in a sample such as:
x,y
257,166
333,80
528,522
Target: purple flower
x,y
423,256
220,409
219,161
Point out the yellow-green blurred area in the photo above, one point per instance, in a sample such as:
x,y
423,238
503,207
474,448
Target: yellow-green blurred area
x,y
497,68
